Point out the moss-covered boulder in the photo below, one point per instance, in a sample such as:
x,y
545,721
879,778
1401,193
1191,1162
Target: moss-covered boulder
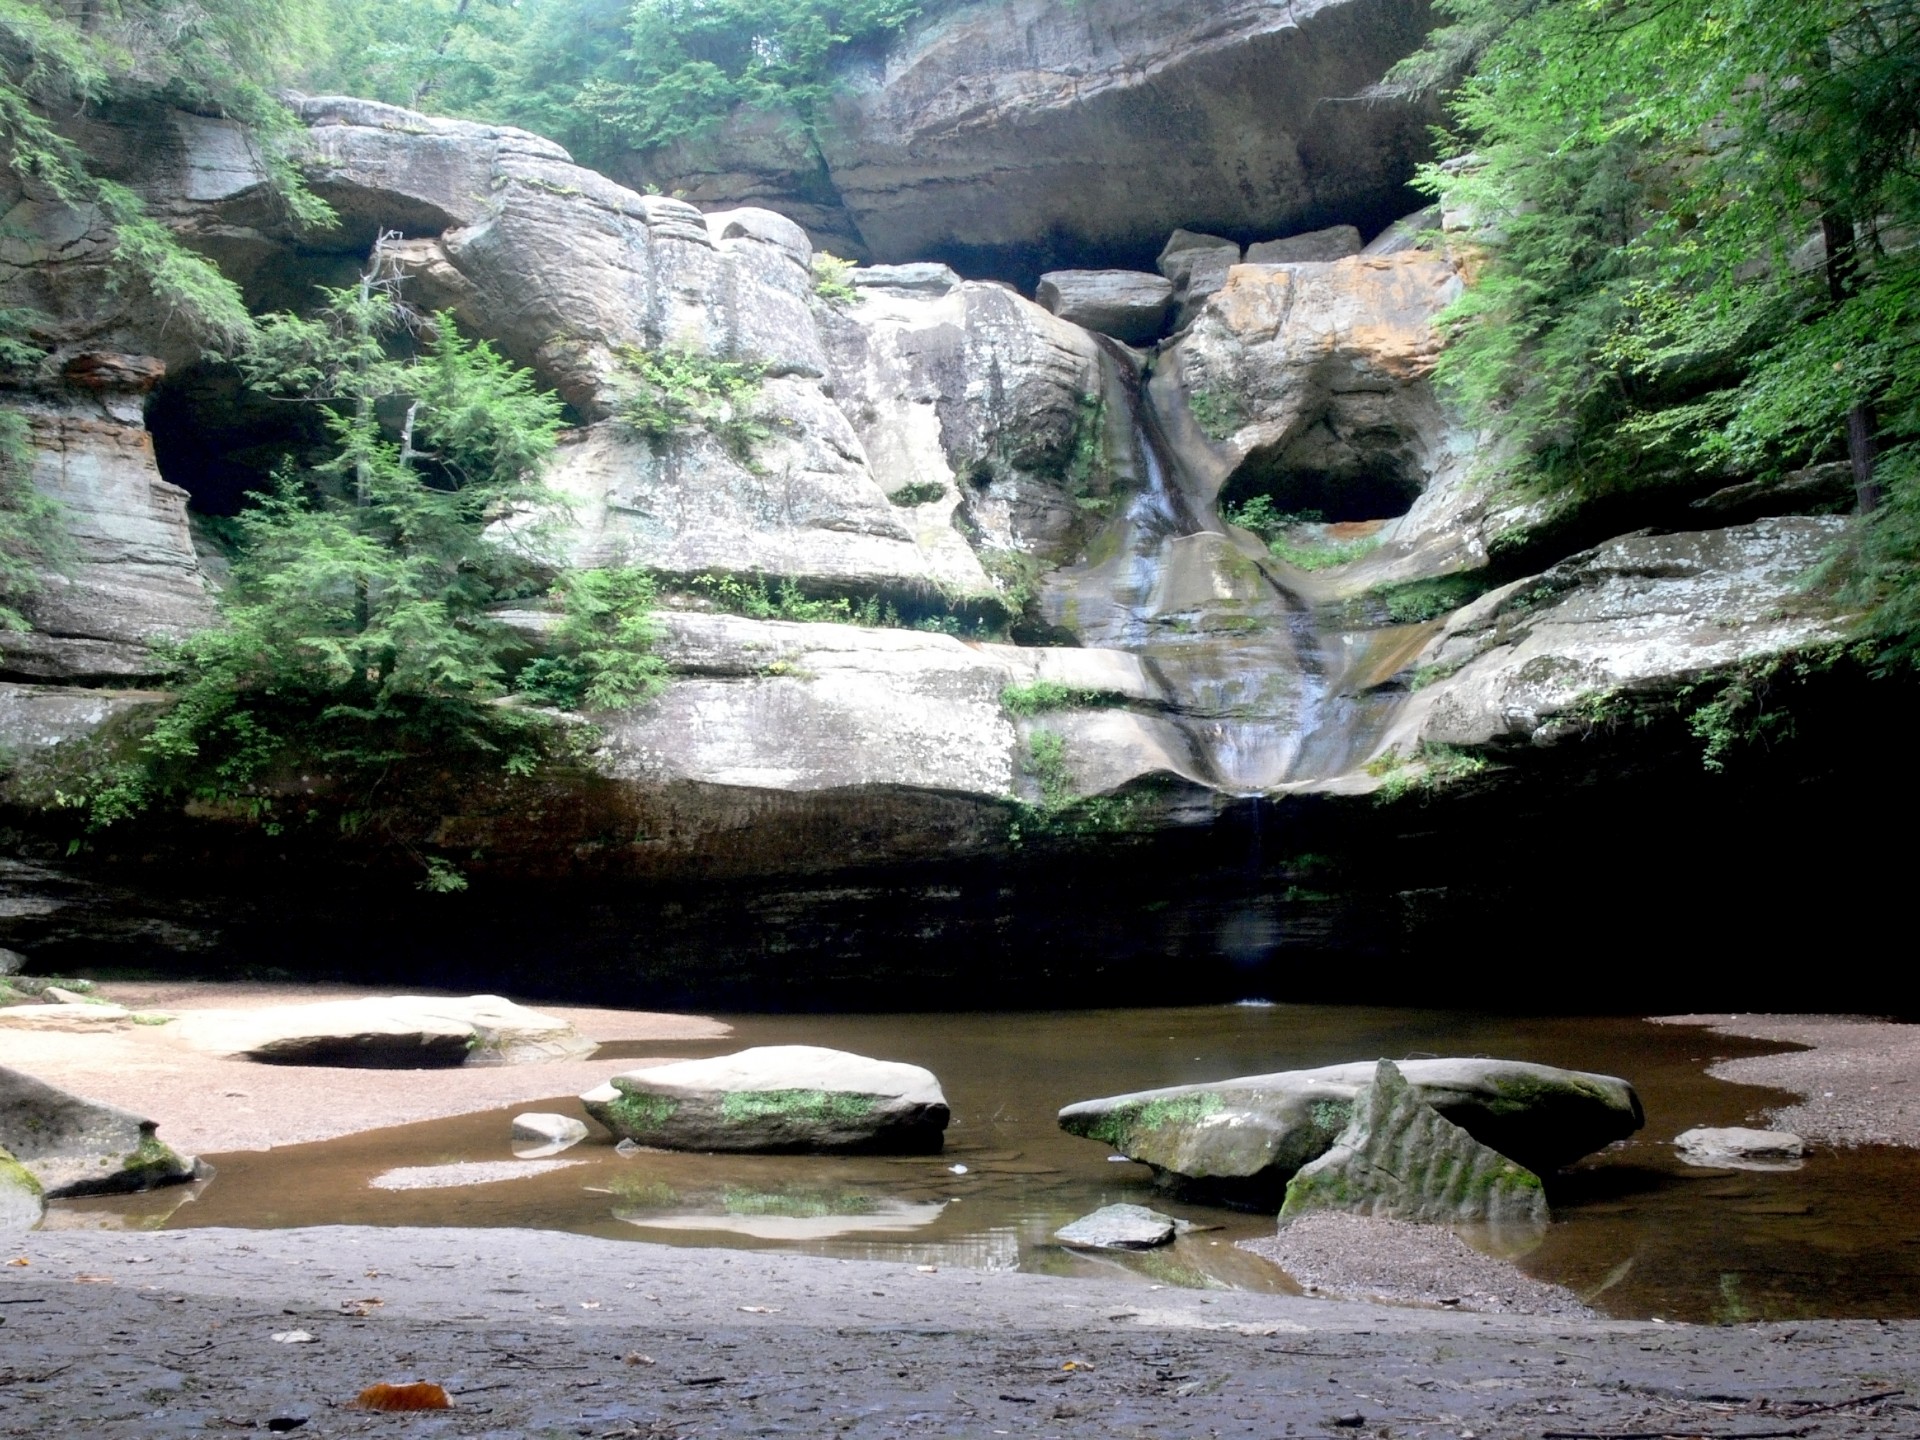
x,y
21,1201
1244,1138
1401,1159
774,1098
75,1146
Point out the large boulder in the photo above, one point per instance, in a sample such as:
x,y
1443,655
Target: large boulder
x,y
22,1202
1129,305
397,1032
995,131
776,1098
73,1146
1400,1159
1542,660
1251,1134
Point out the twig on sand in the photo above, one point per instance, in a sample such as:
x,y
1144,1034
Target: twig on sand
x,y
1672,1434
1847,1404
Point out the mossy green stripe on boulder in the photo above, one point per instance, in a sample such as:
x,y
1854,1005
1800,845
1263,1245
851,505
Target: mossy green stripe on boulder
x,y
21,1201
1245,1137
75,1146
776,1097
1401,1159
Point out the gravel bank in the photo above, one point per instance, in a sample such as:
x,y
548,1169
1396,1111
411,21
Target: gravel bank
x,y
208,1105
168,1335
1859,1079
1355,1257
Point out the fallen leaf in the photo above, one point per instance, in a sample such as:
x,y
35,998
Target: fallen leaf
x,y
22,1260
634,1357
292,1337
93,1279
420,1395
760,1309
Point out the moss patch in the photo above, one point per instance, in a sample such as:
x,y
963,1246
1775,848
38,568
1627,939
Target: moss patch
x,y
1119,1126
741,1107
641,1111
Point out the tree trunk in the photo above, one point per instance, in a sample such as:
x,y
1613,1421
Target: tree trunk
x,y
1836,231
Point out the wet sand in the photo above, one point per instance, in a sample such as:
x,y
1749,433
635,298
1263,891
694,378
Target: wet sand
x,y
536,1334
209,1104
1859,1080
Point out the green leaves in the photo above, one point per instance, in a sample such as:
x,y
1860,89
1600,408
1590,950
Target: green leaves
x,y
1650,181
673,390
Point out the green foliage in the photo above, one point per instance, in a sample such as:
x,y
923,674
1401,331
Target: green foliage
x,y
833,279
1265,519
1433,768
674,390
357,632
1218,413
688,63
1308,552
1413,601
605,641
218,56
1086,473
786,602
1044,695
920,492
1644,173
32,538
453,57
1063,810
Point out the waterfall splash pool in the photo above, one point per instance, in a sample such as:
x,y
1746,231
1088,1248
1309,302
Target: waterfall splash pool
x,y
1635,1231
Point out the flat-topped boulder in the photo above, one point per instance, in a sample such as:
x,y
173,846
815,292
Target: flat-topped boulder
x,y
1129,305
1250,1134
1336,242
1738,1147
1119,1227
776,1098
1401,1159
65,1017
387,1032
74,1146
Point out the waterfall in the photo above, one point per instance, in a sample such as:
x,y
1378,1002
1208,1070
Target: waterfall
x,y
1262,693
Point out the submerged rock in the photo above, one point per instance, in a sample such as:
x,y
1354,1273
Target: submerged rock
x,y
1401,1159
75,1146
1250,1134
776,1097
21,1201
1735,1147
397,1032
537,1135
1119,1227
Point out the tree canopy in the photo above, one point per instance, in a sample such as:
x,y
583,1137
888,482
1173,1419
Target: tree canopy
x,y
1696,226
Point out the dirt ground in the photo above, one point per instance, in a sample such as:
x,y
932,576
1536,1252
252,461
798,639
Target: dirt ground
x,y
154,1336
1357,1257
207,1104
1859,1081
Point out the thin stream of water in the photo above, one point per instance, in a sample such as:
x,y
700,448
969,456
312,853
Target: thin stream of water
x,y
1635,1229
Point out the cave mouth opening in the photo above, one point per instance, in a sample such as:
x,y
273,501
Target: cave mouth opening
x,y
219,440
1330,496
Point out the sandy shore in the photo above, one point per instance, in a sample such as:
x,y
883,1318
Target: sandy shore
x,y
166,1335
207,1105
1859,1081
1354,1257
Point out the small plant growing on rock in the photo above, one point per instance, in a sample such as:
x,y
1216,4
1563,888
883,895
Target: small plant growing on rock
x,y
1044,695
674,390
1218,413
832,279
605,640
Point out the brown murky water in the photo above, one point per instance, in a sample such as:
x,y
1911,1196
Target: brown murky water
x,y
1635,1230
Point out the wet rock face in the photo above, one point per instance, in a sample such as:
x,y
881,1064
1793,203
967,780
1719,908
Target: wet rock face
x,y
1000,132
1307,381
776,1098
73,1146
1129,305
1400,1159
